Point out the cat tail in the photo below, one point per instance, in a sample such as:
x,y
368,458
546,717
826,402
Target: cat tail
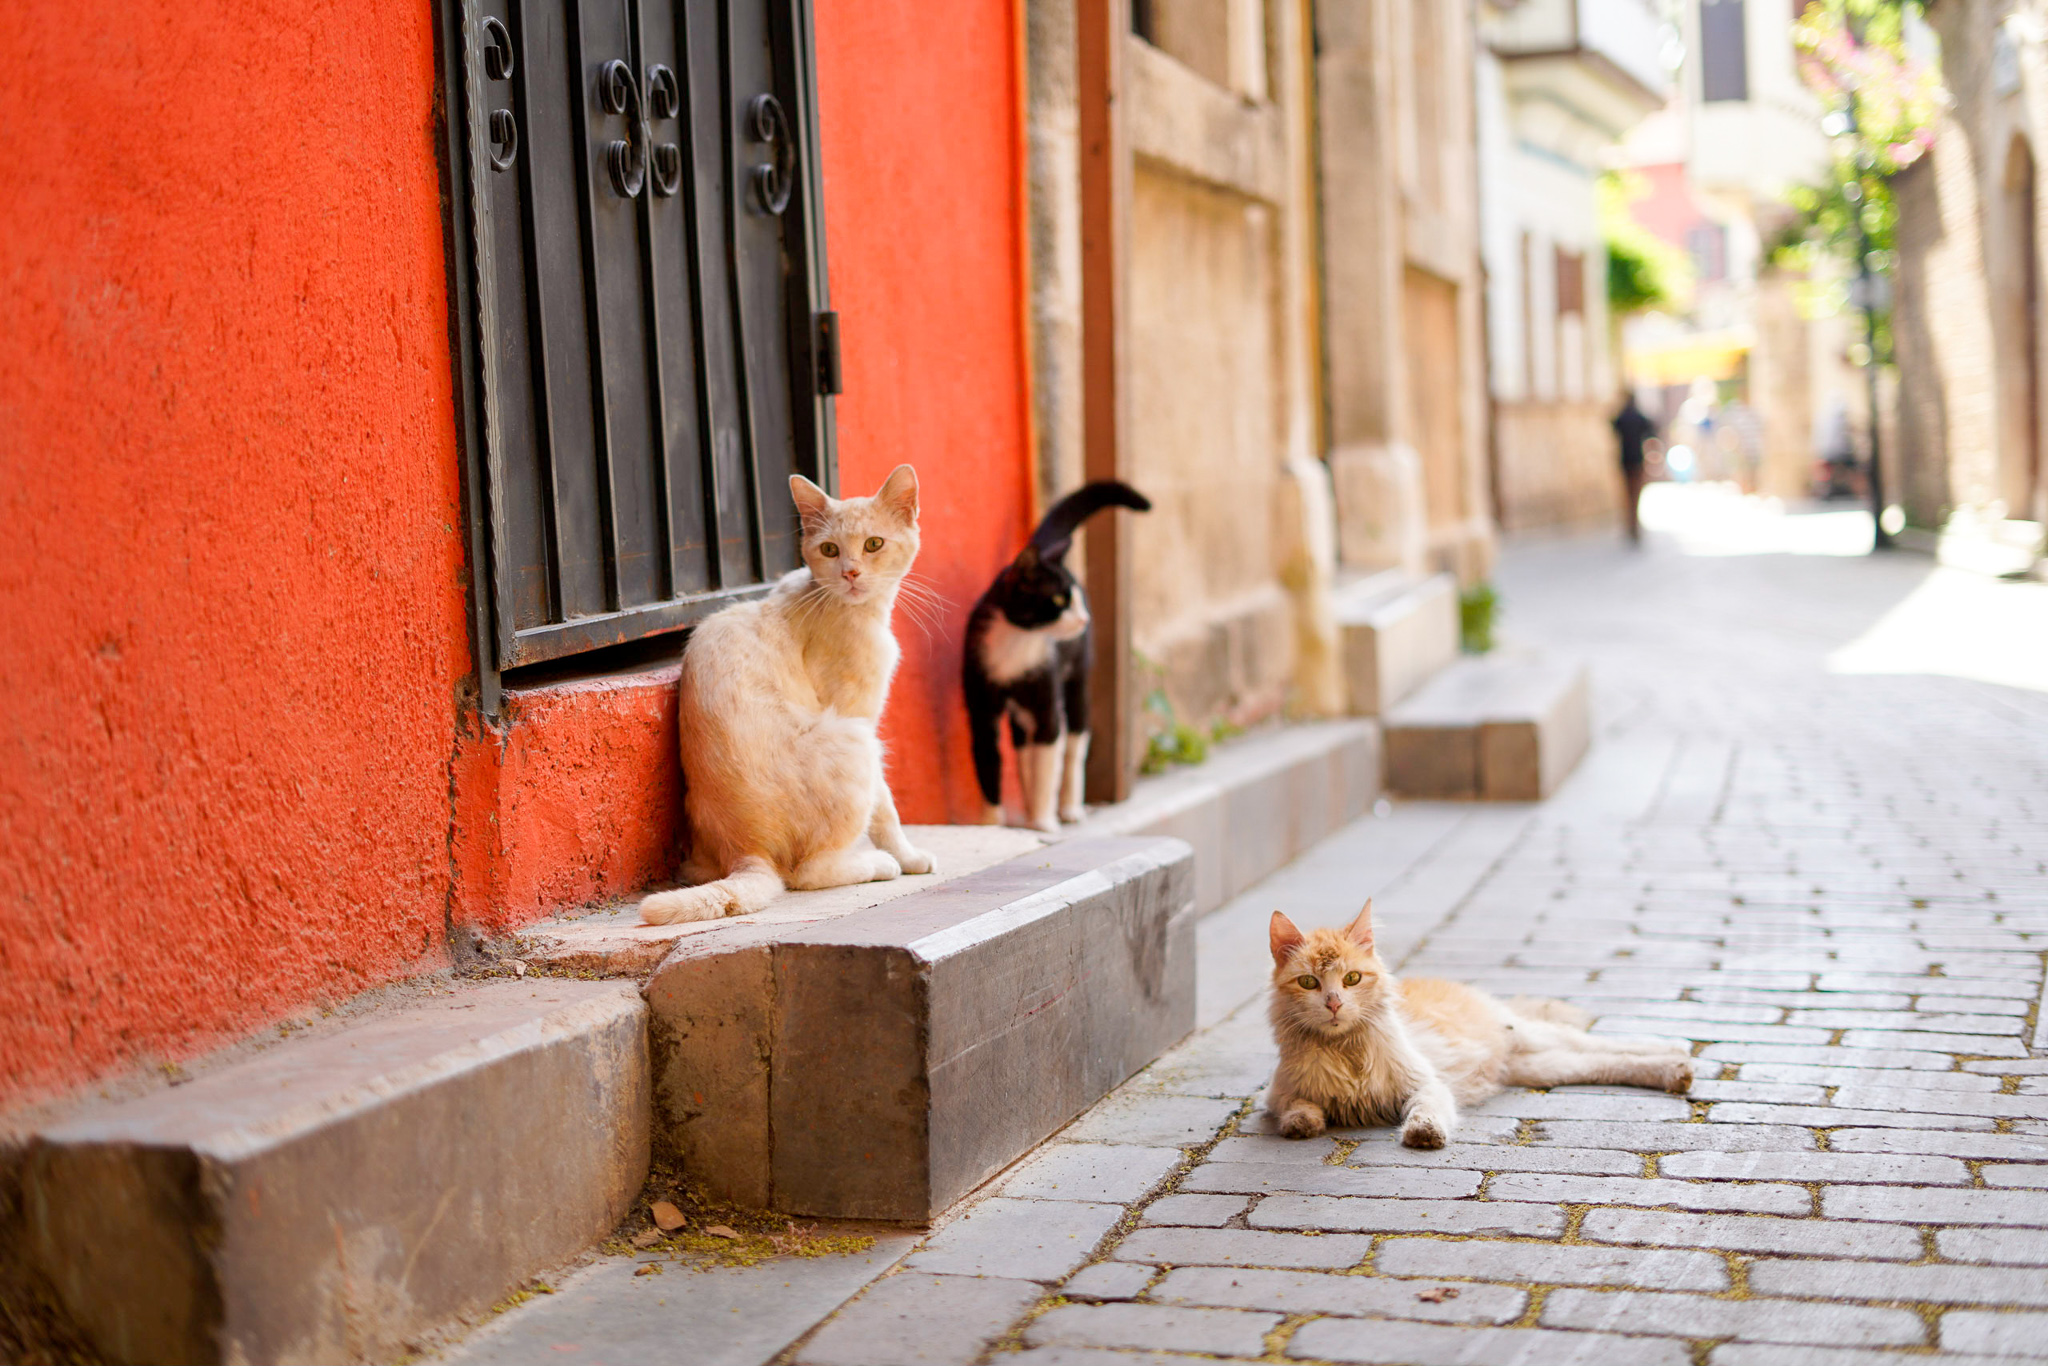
x,y
1056,532
1557,1012
751,884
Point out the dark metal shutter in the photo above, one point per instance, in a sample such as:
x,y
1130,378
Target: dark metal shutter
x,y
649,278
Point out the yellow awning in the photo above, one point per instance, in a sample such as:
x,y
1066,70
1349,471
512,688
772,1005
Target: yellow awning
x,y
1685,359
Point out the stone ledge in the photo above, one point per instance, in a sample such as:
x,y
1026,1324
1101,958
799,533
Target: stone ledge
x,y
1498,728
1256,805
882,1064
614,942
1397,632
327,1200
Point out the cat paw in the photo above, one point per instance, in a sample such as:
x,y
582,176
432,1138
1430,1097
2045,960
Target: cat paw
x,y
1300,1124
886,868
1677,1077
1073,815
992,815
1422,1132
917,861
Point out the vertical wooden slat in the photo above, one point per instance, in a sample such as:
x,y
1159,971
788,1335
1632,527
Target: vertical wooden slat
x,y
585,65
736,190
1103,28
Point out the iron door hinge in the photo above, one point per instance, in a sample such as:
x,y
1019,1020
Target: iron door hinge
x,y
829,378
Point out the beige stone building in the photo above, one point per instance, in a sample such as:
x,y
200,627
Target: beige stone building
x,y
1967,318
1300,367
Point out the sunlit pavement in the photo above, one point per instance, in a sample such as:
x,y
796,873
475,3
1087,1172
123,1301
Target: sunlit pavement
x,y
1811,840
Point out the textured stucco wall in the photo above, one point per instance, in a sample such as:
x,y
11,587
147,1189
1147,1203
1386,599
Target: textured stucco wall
x,y
230,584
924,152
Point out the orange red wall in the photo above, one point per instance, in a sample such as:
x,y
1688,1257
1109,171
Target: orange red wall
x,y
231,579
925,224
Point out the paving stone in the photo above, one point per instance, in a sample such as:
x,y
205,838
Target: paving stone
x,y
1638,1106
1695,1316
1858,1076
1108,1281
1472,1128
2030,1068
1224,1332
1908,1059
1882,981
1983,1045
1430,1344
1153,1120
1260,1178
2006,1335
1942,1022
2016,1147
1348,1214
1994,1246
1768,1354
1666,1138
1848,1168
1561,1264
1881,1281
1101,1356
1761,1092
1934,1205
1033,1240
1196,1211
1708,1031
1626,1190
1241,1247
1752,1233
2030,1176
912,1319
1941,1102
1091,1171
1294,1152
1500,1158
1308,1292
1827,1116
1211,1064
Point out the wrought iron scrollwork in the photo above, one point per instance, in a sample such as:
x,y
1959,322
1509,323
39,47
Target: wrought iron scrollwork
x,y
664,101
504,139
626,158
774,181
498,57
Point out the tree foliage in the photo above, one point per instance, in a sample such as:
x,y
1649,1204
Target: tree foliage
x,y
1643,270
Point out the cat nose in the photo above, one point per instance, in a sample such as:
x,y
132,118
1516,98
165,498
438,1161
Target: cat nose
x,y
852,571
1334,1002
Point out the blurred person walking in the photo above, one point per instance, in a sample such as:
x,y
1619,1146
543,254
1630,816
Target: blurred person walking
x,y
1633,428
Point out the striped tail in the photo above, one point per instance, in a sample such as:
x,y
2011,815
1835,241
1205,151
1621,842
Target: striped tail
x,y
751,884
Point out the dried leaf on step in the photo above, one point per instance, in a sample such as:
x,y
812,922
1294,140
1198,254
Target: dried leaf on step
x,y
650,1269
1438,1295
667,1217
721,1231
646,1237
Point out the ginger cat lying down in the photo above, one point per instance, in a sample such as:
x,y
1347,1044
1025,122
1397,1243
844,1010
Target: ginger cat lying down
x,y
1358,1046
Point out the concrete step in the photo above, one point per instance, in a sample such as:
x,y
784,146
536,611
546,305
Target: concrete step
x,y
882,1064
328,1199
1256,805
1397,632
1500,727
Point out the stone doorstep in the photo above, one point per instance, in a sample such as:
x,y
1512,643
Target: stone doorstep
x,y
614,942
1397,632
332,1197
883,1064
1258,804
1501,727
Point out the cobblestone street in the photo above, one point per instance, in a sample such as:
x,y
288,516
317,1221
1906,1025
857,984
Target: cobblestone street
x,y
1832,882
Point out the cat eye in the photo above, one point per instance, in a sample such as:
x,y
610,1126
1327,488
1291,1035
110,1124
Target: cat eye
x,y
874,544
1307,983
830,550
1351,979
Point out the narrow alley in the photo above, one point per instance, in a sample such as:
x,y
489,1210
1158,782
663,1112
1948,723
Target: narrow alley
x,y
1799,843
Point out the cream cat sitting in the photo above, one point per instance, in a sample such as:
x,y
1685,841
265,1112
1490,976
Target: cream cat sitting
x,y
1360,1047
779,699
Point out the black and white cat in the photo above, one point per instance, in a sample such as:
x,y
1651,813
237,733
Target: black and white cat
x,y
1028,648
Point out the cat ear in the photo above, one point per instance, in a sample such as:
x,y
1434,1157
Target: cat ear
x,y
813,504
1027,558
1282,937
899,494
1359,931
